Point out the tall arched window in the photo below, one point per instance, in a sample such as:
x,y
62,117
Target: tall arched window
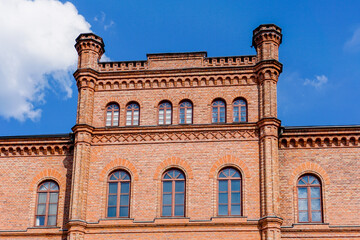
x,y
239,111
186,112
47,204
173,194
118,194
229,198
309,199
218,111
112,115
132,114
165,113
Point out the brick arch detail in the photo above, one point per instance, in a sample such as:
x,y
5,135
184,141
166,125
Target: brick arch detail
x,y
48,174
309,167
229,160
173,162
118,164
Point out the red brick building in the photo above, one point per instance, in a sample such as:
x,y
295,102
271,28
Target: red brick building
x,y
181,146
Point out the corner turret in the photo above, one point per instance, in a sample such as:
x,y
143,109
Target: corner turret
x,y
90,48
266,40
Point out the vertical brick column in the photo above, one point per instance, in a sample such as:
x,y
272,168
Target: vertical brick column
x,y
90,48
266,40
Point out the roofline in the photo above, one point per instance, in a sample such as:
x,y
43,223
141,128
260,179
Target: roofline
x,y
61,135
319,127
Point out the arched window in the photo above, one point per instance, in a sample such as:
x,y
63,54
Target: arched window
x,y
173,194
229,198
186,114
47,204
132,114
309,199
218,111
118,194
239,111
165,113
112,115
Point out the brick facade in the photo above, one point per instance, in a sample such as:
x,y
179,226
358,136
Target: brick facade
x,y
270,158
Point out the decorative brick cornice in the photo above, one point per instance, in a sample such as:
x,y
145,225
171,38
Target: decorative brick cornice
x,y
174,134
319,137
181,80
35,146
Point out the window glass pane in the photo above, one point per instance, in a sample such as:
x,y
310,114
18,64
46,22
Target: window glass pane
x,y
315,181
167,199
223,198
114,176
301,182
243,119
40,221
51,221
124,212
315,204
167,186
222,175
52,209
124,200
235,198
223,186
182,110
54,186
316,216
303,217
125,187
179,186
44,186
42,197
223,209
302,192
303,204
235,185
112,200
166,211
111,212
315,192
41,209
311,179
179,198
235,209
222,120
53,197
113,187
179,210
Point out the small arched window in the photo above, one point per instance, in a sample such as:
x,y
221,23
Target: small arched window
x,y
173,194
165,113
132,114
112,115
309,199
118,205
218,111
47,204
239,111
186,112
229,198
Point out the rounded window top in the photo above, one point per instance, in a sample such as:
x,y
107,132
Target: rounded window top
x,y
229,172
173,174
113,106
165,104
239,102
119,175
185,103
132,106
308,179
48,186
218,102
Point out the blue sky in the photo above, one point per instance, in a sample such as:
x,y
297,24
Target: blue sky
x,y
320,52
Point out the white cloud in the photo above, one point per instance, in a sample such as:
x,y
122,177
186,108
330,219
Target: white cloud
x,y
102,20
37,44
317,82
353,44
